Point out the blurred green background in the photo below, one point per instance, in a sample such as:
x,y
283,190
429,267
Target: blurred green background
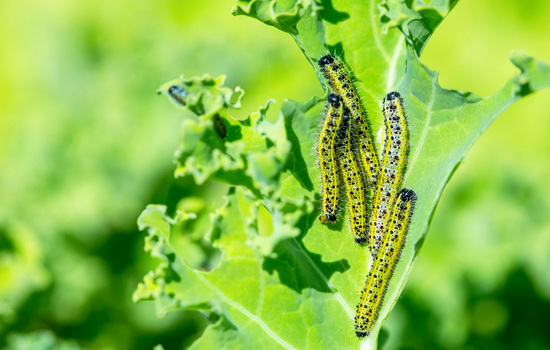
x,y
86,144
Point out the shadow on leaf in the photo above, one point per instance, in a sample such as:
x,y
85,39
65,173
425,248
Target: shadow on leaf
x,y
330,14
298,269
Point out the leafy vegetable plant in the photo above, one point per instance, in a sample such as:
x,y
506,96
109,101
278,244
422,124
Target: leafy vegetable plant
x,y
296,284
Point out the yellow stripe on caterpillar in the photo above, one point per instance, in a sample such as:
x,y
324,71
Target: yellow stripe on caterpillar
x,y
340,82
396,145
355,192
384,264
327,160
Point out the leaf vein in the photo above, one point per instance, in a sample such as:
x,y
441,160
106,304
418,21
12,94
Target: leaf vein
x,y
426,126
245,312
393,64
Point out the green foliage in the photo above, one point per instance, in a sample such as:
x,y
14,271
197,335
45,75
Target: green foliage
x,y
295,285
41,340
282,15
22,269
414,18
85,144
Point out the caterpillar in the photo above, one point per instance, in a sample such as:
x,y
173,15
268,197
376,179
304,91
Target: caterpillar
x,y
353,181
384,264
396,145
178,94
219,126
341,83
327,160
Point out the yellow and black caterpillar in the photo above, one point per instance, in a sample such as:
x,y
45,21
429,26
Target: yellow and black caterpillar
x,y
384,264
396,145
340,82
354,187
391,210
327,158
390,215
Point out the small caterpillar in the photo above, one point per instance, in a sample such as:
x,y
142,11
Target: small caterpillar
x,y
340,82
396,145
219,125
178,94
384,264
327,160
353,181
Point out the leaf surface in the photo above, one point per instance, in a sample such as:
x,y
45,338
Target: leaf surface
x,y
297,286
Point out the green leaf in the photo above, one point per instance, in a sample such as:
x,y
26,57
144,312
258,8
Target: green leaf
x,y
416,19
242,289
296,285
203,95
535,74
22,269
251,153
39,340
283,15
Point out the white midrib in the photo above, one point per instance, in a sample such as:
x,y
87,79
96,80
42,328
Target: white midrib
x,y
392,71
426,127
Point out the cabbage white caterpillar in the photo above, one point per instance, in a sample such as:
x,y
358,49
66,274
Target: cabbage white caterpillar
x,y
354,188
396,145
384,264
327,160
340,82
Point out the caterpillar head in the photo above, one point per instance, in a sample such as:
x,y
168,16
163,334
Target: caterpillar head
x,y
407,195
392,96
327,218
328,59
334,100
